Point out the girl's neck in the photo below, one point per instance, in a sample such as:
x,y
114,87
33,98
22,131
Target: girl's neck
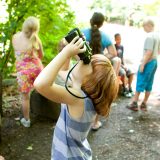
x,y
76,84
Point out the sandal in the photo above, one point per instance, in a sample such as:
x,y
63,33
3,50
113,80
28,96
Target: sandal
x,y
133,106
143,106
96,126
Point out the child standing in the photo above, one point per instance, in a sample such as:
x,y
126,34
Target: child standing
x,y
147,67
80,102
29,53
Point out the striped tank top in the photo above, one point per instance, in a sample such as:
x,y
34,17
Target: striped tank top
x,y
70,135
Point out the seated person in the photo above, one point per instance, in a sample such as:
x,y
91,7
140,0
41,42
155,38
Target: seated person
x,y
125,73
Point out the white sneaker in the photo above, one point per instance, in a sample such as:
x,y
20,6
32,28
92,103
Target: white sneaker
x,y
25,123
128,95
96,126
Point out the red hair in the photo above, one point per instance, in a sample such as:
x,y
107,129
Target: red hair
x,y
102,85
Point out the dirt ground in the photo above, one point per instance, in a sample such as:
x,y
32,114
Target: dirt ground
x,y
125,135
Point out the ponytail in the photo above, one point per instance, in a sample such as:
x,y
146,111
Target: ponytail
x,y
95,43
96,22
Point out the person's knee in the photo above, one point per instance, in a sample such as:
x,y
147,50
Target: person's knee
x,y
116,60
122,72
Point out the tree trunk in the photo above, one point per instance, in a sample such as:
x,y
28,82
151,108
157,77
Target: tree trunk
x,y
42,106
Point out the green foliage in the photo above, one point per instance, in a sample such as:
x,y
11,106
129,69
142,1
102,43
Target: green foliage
x,y
152,9
56,19
132,11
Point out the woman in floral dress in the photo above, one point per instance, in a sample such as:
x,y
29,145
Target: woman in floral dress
x,y
28,53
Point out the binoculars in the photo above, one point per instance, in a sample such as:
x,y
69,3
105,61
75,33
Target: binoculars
x,y
86,56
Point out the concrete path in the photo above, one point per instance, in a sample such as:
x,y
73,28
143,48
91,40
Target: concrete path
x,y
128,135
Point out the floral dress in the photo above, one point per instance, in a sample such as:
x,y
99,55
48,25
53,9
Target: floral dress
x,y
28,66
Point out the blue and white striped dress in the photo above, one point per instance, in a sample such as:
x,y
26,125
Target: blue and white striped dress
x,y
70,135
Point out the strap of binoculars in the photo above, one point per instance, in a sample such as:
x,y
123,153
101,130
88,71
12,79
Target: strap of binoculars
x,y
68,76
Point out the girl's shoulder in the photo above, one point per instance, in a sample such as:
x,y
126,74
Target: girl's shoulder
x,y
16,35
17,38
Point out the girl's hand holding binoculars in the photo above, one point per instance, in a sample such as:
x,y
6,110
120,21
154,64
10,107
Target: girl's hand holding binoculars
x,y
75,47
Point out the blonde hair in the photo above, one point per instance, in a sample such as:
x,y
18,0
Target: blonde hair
x,y
148,21
31,28
102,85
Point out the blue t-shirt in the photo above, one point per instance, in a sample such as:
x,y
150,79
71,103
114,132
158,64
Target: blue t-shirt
x,y
105,40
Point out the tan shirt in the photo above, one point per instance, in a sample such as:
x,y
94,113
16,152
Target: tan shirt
x,y
152,43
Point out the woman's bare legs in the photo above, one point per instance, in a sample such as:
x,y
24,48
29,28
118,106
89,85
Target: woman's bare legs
x,y
25,121
25,105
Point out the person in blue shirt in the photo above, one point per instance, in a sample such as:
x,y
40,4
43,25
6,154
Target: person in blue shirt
x,y
100,43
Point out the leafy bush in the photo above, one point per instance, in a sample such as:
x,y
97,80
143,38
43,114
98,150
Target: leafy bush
x,y
56,19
